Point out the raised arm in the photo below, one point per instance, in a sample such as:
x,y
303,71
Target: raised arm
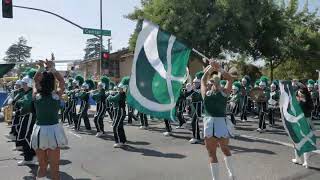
x,y
204,80
217,67
57,75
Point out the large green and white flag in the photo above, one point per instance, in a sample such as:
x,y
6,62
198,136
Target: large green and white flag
x,y
158,72
294,120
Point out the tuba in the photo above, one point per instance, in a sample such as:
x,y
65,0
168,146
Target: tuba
x,y
257,95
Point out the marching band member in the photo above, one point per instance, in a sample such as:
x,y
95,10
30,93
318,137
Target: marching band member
x,y
76,83
314,96
180,108
234,101
305,100
100,97
16,95
262,106
83,95
143,120
27,121
216,132
245,90
168,128
196,107
273,102
67,106
119,101
48,135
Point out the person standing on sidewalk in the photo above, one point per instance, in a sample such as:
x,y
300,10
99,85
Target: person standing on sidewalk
x,y
216,131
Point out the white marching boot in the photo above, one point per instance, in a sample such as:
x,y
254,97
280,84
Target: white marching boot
x,y
297,159
306,159
214,167
229,166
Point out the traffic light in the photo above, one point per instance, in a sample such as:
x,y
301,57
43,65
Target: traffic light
x,y
7,8
105,60
105,56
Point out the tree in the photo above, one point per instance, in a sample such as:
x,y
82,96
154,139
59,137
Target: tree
x,y
210,26
264,29
18,52
92,49
297,69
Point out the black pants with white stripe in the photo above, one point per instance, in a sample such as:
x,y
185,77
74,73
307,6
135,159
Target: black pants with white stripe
x,y
143,119
168,125
195,119
131,115
24,136
72,112
83,114
65,112
118,130
262,113
244,108
98,118
181,118
15,123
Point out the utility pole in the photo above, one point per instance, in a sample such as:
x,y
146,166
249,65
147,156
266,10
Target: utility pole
x,y
101,40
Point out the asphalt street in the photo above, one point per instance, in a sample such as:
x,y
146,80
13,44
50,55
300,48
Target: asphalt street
x,y
151,156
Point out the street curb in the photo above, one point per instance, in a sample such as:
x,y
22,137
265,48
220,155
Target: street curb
x,y
273,141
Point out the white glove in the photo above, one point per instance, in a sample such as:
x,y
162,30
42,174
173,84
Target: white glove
x,y
189,87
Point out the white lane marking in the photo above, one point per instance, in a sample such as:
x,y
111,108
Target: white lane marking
x,y
77,135
273,141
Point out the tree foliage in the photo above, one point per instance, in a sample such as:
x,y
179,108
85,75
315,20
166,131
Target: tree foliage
x,y
92,49
272,30
297,69
18,52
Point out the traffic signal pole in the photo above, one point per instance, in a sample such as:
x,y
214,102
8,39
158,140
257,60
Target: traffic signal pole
x,y
101,40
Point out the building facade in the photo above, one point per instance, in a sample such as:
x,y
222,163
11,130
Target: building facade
x,y
118,66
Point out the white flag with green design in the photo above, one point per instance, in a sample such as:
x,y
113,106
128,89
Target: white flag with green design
x,y
294,120
158,72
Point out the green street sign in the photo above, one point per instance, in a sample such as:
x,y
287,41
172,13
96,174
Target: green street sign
x,y
96,32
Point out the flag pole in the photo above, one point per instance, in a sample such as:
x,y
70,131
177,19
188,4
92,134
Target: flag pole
x,y
200,54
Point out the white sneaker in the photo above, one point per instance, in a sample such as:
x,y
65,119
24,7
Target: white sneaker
x,y
143,127
118,145
99,134
305,165
180,127
262,130
167,133
18,148
296,161
11,136
23,162
258,129
194,141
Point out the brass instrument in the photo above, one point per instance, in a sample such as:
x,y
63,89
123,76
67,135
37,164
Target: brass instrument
x,y
65,97
8,113
257,95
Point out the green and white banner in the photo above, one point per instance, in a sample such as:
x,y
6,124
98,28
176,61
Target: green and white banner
x,y
294,121
158,72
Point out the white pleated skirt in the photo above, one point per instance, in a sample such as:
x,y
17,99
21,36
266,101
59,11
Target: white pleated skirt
x,y
218,127
48,137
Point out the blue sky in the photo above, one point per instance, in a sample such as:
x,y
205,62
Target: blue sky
x,y
46,33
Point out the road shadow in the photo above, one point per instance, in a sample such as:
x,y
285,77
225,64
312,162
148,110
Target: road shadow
x,y
238,150
142,143
245,128
180,137
240,138
153,153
